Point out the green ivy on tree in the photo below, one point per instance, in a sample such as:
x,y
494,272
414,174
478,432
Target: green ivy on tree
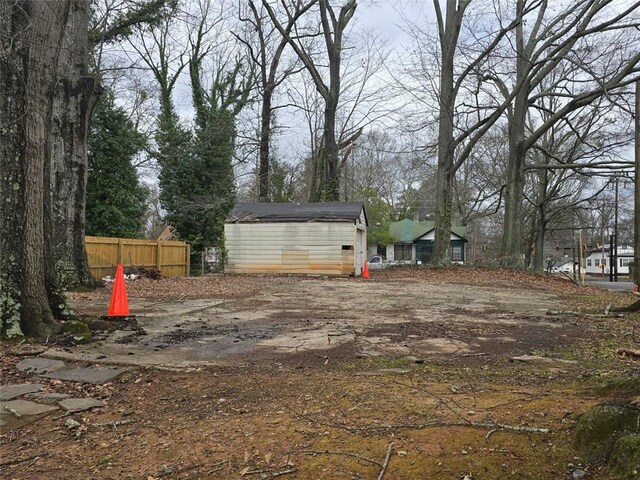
x,y
116,202
196,177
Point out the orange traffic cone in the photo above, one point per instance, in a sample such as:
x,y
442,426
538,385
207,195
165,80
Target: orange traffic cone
x,y
119,306
365,270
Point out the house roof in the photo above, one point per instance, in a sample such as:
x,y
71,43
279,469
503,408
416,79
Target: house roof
x,y
408,231
246,212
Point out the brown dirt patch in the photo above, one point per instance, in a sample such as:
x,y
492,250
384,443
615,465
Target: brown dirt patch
x,y
270,413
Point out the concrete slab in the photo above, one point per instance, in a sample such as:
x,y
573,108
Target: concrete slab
x,y
7,392
73,405
96,375
48,398
39,365
25,408
17,413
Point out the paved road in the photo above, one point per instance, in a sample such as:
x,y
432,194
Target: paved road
x,y
617,286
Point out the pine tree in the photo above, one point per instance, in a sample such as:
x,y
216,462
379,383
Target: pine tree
x,y
116,202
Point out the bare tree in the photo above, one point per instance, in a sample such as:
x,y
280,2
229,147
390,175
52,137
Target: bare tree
x,y
456,141
266,53
333,27
566,35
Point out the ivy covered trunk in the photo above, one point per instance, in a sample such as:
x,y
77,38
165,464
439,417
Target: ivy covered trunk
x,y
27,80
75,97
331,175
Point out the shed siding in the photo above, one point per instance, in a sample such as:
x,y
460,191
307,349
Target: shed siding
x,y
313,247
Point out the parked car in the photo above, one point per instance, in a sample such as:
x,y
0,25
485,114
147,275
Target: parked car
x,y
377,263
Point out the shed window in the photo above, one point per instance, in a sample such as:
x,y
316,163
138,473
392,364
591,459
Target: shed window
x,y
456,254
347,247
402,252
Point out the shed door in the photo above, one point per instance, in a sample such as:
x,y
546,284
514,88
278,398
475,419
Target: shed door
x,y
360,251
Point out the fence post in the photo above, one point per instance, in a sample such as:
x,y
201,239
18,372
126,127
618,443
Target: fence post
x,y
159,256
120,252
188,260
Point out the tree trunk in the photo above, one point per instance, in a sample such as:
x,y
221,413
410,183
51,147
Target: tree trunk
x,y
450,30
265,144
511,237
31,53
75,97
331,178
14,24
541,230
538,259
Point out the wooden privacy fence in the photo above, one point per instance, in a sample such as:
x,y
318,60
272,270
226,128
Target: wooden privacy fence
x,y
170,258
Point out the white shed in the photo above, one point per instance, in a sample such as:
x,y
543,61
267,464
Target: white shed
x,y
306,238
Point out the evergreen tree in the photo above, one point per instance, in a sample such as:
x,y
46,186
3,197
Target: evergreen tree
x,y
116,202
196,178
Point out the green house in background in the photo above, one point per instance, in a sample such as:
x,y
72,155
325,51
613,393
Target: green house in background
x,y
413,242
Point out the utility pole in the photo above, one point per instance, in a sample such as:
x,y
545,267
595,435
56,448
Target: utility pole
x,y
610,258
615,236
581,258
636,218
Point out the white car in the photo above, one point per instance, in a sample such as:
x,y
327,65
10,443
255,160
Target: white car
x,y
377,263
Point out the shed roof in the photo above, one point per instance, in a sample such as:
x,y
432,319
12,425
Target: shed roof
x,y
296,212
407,231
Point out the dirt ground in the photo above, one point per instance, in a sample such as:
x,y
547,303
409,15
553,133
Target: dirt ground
x,y
409,375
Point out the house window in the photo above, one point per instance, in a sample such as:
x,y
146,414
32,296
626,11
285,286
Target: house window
x,y
402,252
604,262
597,262
456,254
589,262
381,250
624,262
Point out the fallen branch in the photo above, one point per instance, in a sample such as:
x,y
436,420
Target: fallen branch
x,y
113,424
385,464
170,471
489,433
327,452
629,353
272,474
634,307
419,426
283,472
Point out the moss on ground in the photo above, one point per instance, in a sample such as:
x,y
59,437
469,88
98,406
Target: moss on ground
x,y
77,331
